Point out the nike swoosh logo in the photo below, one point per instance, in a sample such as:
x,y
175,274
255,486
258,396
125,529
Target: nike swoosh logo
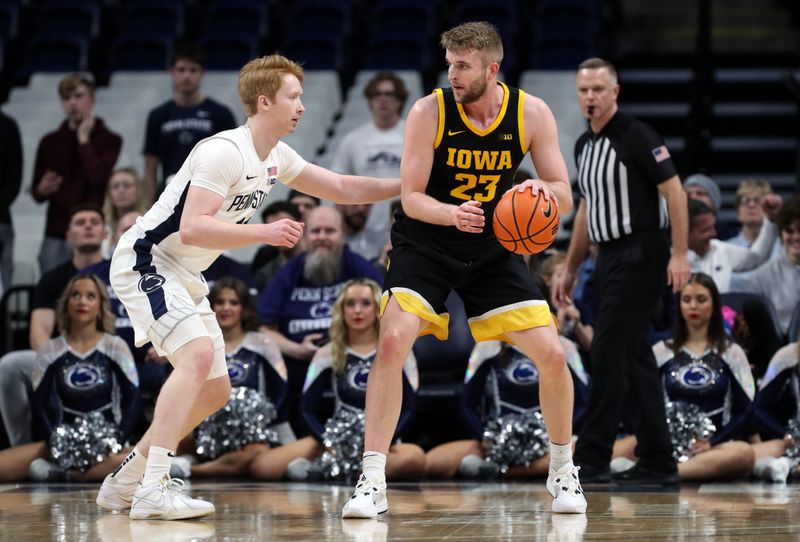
x,y
248,177
452,133
549,210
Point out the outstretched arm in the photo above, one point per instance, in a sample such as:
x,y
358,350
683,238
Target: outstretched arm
x,y
325,184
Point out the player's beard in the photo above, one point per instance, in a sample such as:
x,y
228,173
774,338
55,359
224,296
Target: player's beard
x,y
474,92
322,266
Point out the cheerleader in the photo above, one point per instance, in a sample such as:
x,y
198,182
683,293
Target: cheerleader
x,y
254,363
502,383
86,397
342,366
777,412
702,367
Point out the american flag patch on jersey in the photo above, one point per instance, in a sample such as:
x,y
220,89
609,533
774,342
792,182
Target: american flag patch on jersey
x,y
272,171
660,153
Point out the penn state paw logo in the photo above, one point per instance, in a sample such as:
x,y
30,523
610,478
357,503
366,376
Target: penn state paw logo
x,y
151,282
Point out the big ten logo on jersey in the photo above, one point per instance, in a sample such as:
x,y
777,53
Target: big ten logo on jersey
x,y
481,187
357,375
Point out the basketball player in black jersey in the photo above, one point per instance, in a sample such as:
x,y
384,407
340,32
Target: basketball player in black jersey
x,y
462,147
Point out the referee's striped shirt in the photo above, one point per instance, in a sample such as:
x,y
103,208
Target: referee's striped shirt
x,y
619,170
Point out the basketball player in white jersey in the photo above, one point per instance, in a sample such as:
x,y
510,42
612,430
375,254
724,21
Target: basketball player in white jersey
x,y
156,269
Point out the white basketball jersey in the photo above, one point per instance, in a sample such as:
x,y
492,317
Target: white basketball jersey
x,y
227,164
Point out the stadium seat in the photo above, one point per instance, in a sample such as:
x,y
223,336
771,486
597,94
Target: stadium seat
x,y
67,19
794,325
404,19
242,17
153,18
320,18
15,311
397,52
228,51
9,21
316,52
140,53
56,54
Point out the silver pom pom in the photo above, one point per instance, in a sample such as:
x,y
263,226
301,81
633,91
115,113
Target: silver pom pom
x,y
343,439
244,420
792,439
687,424
515,439
85,442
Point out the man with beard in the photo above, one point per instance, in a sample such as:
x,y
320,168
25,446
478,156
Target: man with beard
x,y
361,240
295,307
462,148
174,127
85,232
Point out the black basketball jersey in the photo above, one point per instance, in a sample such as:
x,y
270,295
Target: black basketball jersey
x,y
469,164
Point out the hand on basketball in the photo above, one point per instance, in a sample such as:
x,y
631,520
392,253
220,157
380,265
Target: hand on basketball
x,y
283,233
536,185
468,217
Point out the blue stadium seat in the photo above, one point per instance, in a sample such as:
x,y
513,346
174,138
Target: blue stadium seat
x,y
69,20
316,52
244,17
9,21
503,15
56,54
794,325
404,19
320,18
396,52
153,19
141,53
561,53
228,51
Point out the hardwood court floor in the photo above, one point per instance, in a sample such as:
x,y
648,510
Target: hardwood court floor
x,y
427,511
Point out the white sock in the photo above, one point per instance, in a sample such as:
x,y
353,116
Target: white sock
x,y
374,466
132,468
560,455
761,464
159,461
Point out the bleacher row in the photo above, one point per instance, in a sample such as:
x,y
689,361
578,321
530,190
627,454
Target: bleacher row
x,y
329,34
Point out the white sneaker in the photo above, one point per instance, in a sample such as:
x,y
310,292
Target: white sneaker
x,y
621,464
778,470
116,496
565,487
297,469
166,500
368,500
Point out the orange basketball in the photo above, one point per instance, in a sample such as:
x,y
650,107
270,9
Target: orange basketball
x,y
524,222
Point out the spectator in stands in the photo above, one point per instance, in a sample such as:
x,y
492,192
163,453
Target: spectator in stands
x,y
382,263
104,381
253,362
375,148
269,259
10,183
777,403
361,240
175,126
570,324
73,165
85,233
295,307
304,202
344,364
704,188
720,259
502,382
779,279
225,266
701,366
125,195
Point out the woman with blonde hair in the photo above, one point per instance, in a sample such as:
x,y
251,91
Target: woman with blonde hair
x,y
85,383
343,366
125,194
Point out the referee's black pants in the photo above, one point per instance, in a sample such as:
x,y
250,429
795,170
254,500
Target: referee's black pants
x,y
630,275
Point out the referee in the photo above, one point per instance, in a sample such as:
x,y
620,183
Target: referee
x,y
630,194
